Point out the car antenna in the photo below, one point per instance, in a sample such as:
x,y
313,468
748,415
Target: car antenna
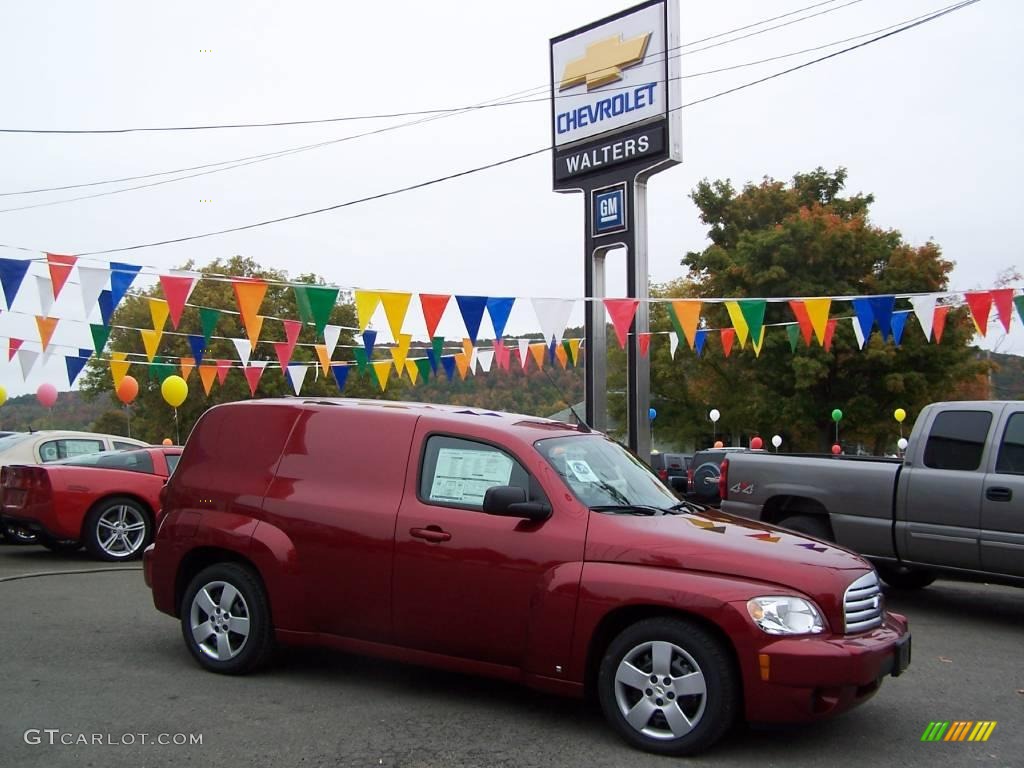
x,y
581,424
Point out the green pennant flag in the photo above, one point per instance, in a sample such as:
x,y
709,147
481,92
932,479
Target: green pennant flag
x,y
424,367
208,317
568,351
1019,302
438,345
360,354
753,313
794,336
160,369
315,303
100,334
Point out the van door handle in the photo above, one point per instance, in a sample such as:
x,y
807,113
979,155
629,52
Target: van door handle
x,y
998,494
431,533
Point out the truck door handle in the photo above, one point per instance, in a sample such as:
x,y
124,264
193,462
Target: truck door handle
x,y
430,533
998,494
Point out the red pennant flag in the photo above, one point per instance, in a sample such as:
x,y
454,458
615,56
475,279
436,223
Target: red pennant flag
x,y
13,345
291,331
252,375
284,353
830,331
621,312
800,312
223,366
728,337
176,290
433,305
980,303
645,344
939,323
60,268
1003,299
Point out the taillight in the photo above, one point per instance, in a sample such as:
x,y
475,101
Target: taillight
x,y
663,474
689,479
723,480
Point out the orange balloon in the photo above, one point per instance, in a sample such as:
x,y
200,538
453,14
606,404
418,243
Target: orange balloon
x,y
719,444
127,390
168,441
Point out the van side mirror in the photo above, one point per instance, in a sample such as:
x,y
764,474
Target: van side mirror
x,y
680,484
510,501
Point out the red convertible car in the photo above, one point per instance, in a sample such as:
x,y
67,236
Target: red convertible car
x,y
108,502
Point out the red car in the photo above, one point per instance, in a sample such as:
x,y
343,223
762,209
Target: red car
x,y
108,502
513,547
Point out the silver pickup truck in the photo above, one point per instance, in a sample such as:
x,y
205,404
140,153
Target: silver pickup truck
x,y
954,505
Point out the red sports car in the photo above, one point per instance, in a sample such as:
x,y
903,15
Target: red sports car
x,y
109,502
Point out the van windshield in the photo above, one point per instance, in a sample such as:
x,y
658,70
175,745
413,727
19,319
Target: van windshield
x,y
601,473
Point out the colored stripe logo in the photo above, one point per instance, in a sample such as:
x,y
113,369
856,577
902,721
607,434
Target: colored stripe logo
x,y
958,730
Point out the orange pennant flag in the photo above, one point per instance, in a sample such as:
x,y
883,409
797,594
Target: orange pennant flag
x,y
562,356
538,351
467,348
395,307
324,357
462,363
159,311
118,367
803,319
207,373
249,293
150,340
687,312
254,328
817,311
46,326
187,366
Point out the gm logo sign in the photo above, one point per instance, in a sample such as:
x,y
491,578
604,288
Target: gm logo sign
x,y
608,209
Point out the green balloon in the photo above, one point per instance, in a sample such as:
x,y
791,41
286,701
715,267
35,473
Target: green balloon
x,y
837,415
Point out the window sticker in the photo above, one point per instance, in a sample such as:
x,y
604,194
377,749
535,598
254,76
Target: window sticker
x,y
463,476
582,471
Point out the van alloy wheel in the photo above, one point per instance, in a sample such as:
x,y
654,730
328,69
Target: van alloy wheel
x,y
220,620
660,690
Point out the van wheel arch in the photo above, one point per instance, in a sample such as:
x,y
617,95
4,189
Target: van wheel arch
x,y
202,557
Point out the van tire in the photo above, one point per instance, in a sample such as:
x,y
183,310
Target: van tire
x,y
809,525
225,619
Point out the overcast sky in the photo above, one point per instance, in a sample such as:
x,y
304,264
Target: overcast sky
x,y
929,121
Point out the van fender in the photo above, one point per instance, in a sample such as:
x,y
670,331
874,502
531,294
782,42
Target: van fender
x,y
551,617
277,559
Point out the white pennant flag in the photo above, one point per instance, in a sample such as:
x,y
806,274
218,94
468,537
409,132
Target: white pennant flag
x,y
93,281
553,316
45,294
244,349
297,373
331,334
924,310
858,331
27,358
486,357
258,363
473,357
673,344
524,347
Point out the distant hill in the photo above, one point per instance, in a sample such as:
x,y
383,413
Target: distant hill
x,y
72,411
1007,377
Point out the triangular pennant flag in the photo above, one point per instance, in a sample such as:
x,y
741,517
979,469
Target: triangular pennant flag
x,y
242,346
462,365
924,310
296,375
121,278
728,337
1003,299
253,373
537,350
486,357
369,339
467,348
980,303
160,369
207,373
433,306
177,289
159,311
899,322
360,355
448,363
1019,303
100,335
413,371
758,341
939,322
249,295
45,294
187,365
524,346
424,367
340,373
562,356
254,329
793,331
621,311
574,349
553,316
93,280
687,314
223,368
864,320
739,322
699,340
323,357
12,272
106,305
472,309
292,329
803,318
315,303
284,353
46,327
551,351
366,305
645,344
198,345
75,364
396,305
401,350
830,332
208,318
12,347
436,349
60,270
673,344
150,340
331,335
118,367
26,359
501,354
881,309
753,313
858,330
499,309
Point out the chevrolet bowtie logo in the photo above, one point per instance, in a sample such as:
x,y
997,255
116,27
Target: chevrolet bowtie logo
x,y
604,61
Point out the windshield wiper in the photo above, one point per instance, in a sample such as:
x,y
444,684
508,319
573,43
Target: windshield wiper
x,y
687,506
630,509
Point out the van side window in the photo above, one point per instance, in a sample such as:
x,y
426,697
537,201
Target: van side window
x,y
957,440
1011,450
457,472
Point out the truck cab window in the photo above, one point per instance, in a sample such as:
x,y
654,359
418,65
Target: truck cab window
x,y
1011,449
957,440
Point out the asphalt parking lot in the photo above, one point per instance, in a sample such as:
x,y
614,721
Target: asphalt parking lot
x,y
84,654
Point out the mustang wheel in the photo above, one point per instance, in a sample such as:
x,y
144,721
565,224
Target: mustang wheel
x,y
225,619
117,529
668,686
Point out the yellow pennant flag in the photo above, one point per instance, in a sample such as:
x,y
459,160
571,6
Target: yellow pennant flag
x,y
817,311
400,351
325,359
462,363
118,367
382,369
208,374
687,312
150,340
158,310
187,365
758,342
413,371
366,305
574,347
46,326
538,351
739,322
395,307
561,355
467,348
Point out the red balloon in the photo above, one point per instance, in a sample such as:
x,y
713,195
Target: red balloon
x,y
837,449
127,390
757,443
46,395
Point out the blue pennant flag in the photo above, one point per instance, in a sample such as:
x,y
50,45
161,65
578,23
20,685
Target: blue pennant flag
x,y
881,308
106,303
12,272
698,342
340,371
75,364
121,278
899,322
499,309
448,361
865,317
369,339
198,344
472,309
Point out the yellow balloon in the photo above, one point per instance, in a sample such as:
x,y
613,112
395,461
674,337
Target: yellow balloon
x,y
3,395
175,390
899,414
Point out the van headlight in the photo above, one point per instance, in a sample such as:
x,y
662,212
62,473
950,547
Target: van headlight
x,y
783,615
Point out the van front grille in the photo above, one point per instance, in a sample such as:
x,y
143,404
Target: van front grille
x,y
863,604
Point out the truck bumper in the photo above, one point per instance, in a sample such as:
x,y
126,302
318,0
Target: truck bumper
x,y
808,678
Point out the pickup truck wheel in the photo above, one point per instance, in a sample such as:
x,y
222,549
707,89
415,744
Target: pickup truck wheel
x,y
225,619
809,525
668,686
117,528
901,577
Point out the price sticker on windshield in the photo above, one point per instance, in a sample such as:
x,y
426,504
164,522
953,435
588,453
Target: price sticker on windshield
x,y
582,470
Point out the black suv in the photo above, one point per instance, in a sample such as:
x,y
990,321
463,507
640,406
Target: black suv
x,y
670,465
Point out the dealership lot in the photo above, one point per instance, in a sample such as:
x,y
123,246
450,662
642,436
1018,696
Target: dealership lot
x,y
86,656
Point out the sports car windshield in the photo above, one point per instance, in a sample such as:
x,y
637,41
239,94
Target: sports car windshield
x,y
601,473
